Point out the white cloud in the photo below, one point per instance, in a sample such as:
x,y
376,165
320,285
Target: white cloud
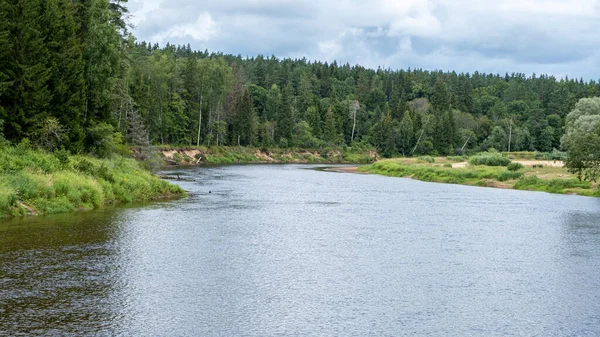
x,y
203,29
556,36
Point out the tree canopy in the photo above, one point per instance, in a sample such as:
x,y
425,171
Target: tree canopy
x,y
71,66
582,139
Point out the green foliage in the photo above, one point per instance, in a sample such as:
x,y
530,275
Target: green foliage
x,y
582,139
552,186
63,157
508,175
556,155
489,159
480,176
104,140
457,158
426,159
55,183
514,166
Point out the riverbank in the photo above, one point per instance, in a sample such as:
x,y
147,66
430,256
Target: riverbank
x,y
33,182
533,176
198,155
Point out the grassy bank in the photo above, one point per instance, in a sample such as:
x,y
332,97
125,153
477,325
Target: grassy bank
x,y
546,178
34,182
193,155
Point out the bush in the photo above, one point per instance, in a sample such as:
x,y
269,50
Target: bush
x,y
448,165
489,159
514,166
509,175
457,158
556,155
426,159
8,198
63,156
104,140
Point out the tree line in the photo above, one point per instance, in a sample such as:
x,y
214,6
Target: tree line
x,y
72,75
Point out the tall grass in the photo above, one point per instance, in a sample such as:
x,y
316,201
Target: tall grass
x,y
56,183
489,159
471,176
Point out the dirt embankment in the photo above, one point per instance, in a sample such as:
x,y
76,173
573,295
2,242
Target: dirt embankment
x,y
235,155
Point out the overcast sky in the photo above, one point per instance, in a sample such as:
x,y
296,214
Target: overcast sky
x,y
558,37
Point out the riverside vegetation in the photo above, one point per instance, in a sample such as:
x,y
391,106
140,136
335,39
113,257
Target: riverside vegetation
x,y
35,182
487,170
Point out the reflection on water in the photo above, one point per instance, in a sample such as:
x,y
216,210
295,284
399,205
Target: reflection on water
x,y
280,250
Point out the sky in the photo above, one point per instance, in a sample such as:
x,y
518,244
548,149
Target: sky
x,y
555,37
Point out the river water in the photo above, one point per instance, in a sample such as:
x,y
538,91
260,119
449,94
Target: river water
x,y
292,251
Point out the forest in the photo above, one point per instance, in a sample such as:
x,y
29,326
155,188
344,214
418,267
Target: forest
x,y
73,76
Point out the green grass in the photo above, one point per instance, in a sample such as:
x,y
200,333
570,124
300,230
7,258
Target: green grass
x,y
469,176
492,176
561,186
32,181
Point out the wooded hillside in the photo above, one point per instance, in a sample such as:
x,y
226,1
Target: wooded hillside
x,y
72,75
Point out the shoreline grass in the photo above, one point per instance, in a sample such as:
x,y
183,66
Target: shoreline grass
x,y
33,182
550,179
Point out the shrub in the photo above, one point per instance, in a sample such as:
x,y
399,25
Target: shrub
x,y
457,158
514,166
448,165
426,159
31,186
489,159
63,157
556,155
8,198
104,140
509,175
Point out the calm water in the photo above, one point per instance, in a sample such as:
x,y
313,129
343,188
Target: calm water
x,y
288,251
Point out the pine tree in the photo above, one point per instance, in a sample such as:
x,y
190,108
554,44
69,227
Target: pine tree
x,y
244,126
273,103
101,56
66,82
285,117
6,46
405,134
464,99
440,100
330,128
26,100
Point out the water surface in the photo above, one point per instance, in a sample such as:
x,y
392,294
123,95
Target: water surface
x,y
284,250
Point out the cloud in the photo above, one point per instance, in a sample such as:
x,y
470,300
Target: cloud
x,y
203,29
543,36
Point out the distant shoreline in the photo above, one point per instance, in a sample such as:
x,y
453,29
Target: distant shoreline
x,y
551,178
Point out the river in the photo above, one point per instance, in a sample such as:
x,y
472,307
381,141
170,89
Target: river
x,y
286,250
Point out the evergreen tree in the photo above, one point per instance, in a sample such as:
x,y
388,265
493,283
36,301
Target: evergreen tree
x,y
440,100
27,99
405,134
244,125
66,82
285,117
